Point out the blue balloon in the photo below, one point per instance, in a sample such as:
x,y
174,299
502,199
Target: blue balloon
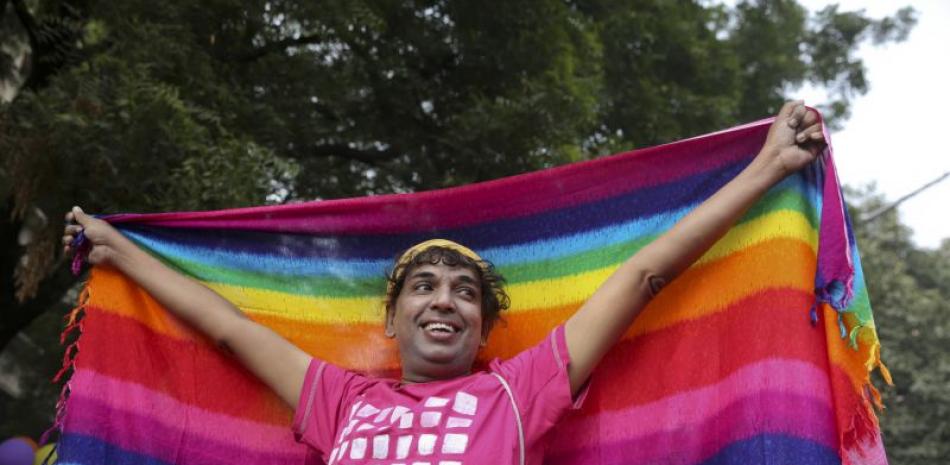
x,y
16,451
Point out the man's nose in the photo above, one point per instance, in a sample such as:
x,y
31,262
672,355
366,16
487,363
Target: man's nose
x,y
442,298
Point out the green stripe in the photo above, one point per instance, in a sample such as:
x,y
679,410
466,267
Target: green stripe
x,y
302,285
787,199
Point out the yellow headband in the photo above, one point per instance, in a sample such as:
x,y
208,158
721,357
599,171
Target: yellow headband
x,y
408,255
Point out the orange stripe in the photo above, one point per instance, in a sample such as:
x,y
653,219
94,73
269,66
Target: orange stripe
x,y
111,291
855,362
708,289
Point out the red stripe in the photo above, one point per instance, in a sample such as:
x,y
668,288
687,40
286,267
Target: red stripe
x,y
192,373
700,352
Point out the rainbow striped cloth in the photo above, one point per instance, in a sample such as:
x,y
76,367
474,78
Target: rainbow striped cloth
x,y
759,353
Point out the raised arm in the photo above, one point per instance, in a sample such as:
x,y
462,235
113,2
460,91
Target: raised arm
x,y
794,140
273,359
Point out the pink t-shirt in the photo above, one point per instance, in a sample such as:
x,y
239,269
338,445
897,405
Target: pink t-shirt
x,y
353,419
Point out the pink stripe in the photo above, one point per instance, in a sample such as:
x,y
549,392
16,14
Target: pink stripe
x,y
515,196
782,384
133,410
761,413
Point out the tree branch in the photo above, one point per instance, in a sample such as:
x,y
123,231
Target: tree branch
x,y
28,21
870,216
278,46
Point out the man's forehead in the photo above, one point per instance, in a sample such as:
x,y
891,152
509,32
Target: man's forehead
x,y
442,270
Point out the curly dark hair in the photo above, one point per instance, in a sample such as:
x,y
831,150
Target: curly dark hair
x,y
494,297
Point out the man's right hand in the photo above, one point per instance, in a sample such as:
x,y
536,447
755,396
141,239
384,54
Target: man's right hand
x,y
105,241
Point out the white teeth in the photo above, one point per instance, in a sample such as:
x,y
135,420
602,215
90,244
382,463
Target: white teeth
x,y
436,326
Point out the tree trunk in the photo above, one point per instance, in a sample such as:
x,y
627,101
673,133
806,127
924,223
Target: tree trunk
x,y
14,315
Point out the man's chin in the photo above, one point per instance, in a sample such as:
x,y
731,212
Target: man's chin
x,y
446,356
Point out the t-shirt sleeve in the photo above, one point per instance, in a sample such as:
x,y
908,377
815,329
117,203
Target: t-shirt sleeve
x,y
324,393
539,381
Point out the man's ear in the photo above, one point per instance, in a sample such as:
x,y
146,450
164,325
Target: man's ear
x,y
390,325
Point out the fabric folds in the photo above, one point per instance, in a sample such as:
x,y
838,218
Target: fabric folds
x,y
759,353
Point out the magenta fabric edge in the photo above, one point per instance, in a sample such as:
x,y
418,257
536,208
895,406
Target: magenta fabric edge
x,y
368,214
835,274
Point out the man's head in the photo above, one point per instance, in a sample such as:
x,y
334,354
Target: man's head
x,y
441,304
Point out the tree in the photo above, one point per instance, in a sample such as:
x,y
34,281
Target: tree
x,y
141,106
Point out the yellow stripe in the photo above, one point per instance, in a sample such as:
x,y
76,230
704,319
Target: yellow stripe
x,y
775,225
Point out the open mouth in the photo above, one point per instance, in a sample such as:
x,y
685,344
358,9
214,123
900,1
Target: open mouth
x,y
440,327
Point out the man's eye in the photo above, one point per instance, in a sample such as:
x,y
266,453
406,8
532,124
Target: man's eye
x,y
467,291
423,287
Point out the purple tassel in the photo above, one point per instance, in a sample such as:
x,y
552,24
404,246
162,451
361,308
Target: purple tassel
x,y
81,246
842,327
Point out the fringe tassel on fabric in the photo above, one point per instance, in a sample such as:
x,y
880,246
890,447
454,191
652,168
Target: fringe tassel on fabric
x,y
74,323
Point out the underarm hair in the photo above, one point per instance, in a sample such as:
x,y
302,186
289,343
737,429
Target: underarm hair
x,y
225,348
657,283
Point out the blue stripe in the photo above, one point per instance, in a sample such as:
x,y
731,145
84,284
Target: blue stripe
x,y
765,449
774,449
83,449
80,449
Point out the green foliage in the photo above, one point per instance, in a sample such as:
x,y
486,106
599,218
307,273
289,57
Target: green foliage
x,y
909,290
377,96
110,134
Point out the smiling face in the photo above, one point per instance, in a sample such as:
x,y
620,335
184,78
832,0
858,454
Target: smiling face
x,y
437,321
